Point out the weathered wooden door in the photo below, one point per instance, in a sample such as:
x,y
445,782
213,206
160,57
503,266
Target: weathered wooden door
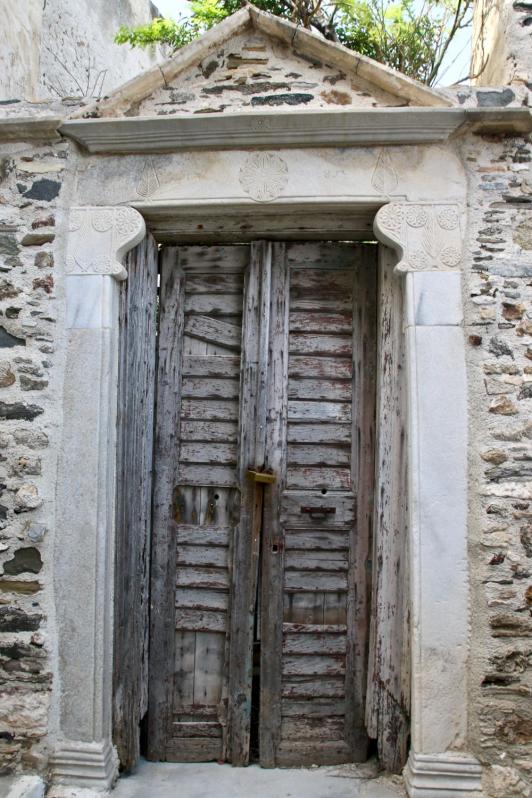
x,y
265,363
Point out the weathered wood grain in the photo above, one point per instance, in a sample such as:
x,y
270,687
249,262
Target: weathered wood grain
x,y
363,469
329,390
215,453
211,366
203,535
209,431
210,330
318,411
200,621
308,688
388,701
314,643
210,388
301,321
340,368
202,599
313,665
271,616
318,477
133,499
202,475
215,556
216,304
255,339
166,459
209,409
319,344
319,455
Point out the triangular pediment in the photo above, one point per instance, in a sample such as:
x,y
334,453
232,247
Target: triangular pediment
x,y
256,61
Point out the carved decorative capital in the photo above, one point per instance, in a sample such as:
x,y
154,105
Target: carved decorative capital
x,y
99,237
427,236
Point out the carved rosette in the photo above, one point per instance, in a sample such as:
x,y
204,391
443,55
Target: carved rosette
x,y
263,176
427,236
99,237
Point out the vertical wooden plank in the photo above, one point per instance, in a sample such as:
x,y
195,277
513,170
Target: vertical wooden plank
x,y
363,471
272,563
388,699
255,327
166,460
134,481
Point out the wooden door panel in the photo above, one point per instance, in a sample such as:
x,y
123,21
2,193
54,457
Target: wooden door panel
x,y
258,349
189,710
311,715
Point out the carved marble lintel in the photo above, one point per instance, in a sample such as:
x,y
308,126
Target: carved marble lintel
x,y
426,235
99,237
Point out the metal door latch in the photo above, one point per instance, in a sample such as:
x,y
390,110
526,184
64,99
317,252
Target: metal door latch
x,y
318,512
260,476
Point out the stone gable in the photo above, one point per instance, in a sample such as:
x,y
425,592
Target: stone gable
x,y
258,72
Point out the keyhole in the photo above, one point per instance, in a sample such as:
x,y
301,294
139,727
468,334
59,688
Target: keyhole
x,y
324,491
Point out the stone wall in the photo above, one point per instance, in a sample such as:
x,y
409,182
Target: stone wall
x,y
31,179
64,49
502,42
498,303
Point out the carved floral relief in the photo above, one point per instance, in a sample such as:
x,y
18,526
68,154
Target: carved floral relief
x,y
427,235
263,176
99,237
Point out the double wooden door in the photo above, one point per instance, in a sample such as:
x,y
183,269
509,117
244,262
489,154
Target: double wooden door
x,y
258,595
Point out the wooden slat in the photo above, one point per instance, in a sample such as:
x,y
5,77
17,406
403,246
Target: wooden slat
x,y
185,655
318,411
332,728
303,608
215,282
215,556
210,388
312,580
327,390
324,255
340,368
307,753
213,331
309,477
214,259
196,729
319,344
209,665
316,643
316,561
200,620
213,578
211,431
316,708
305,688
203,535
209,409
342,520
388,701
321,322
255,338
313,665
335,282
201,599
134,487
202,749
322,432
318,454
216,304
301,300
211,366
166,459
215,453
326,541
271,614
216,475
